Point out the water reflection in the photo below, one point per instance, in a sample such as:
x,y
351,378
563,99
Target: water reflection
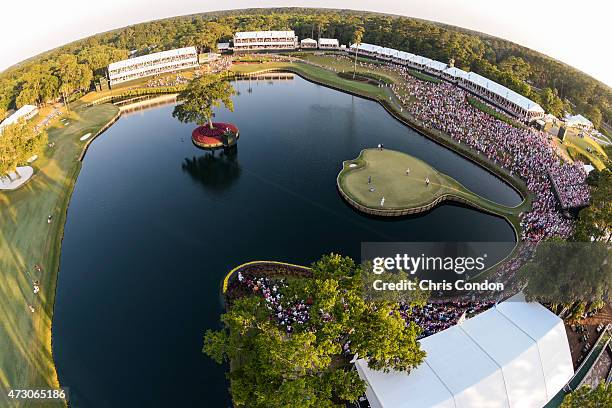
x,y
215,172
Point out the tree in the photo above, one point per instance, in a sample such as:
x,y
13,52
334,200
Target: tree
x,y
72,75
587,397
19,142
595,221
201,96
551,102
357,36
516,66
594,114
307,367
567,275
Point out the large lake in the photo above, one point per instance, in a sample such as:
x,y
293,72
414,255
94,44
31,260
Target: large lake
x,y
154,224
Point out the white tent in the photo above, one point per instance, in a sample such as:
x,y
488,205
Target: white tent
x,y
513,355
26,112
578,121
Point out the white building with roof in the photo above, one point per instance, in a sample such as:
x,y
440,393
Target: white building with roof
x,y
329,44
369,50
453,74
512,102
513,355
152,64
223,47
265,40
308,43
579,122
505,98
26,112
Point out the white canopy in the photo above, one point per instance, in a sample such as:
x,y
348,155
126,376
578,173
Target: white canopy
x,y
504,92
26,111
578,120
513,355
456,72
264,34
373,49
328,42
157,56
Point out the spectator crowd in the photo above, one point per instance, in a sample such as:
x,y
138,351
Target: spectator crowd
x,y
522,151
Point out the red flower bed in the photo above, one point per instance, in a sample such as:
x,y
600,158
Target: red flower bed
x,y
204,135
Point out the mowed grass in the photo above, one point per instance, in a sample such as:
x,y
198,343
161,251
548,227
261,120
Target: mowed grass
x,y
26,239
402,189
597,156
316,74
389,179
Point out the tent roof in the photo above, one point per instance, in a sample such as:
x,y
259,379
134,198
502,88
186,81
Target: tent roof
x,y
472,77
578,120
310,40
153,57
264,34
456,72
367,47
421,379
504,92
437,65
515,354
25,110
328,41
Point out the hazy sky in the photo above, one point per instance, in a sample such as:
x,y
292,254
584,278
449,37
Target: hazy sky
x,y
575,32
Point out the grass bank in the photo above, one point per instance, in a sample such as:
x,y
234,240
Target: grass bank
x,y
26,239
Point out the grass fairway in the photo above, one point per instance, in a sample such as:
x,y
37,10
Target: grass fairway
x,y
27,239
597,156
402,190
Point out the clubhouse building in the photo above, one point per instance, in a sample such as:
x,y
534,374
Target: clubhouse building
x,y
504,98
265,41
153,64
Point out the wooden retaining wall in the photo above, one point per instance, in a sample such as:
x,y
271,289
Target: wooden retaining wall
x,y
397,212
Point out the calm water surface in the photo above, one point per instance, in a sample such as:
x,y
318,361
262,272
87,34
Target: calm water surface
x,y
154,224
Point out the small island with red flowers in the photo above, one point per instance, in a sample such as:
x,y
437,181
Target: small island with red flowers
x,y
196,104
221,135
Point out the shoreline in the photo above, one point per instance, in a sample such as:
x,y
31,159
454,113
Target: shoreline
x,y
56,233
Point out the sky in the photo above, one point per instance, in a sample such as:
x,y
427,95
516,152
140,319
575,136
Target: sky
x,y
577,33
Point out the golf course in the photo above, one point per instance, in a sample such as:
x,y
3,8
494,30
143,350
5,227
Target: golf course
x,y
29,240
390,183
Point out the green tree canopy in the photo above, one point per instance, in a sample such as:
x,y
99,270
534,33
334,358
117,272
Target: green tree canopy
x,y
587,397
569,275
201,96
18,142
307,367
595,221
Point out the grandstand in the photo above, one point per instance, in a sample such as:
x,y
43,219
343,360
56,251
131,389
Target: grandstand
x,y
265,40
504,98
152,64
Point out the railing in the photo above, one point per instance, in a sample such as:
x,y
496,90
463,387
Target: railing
x,y
586,366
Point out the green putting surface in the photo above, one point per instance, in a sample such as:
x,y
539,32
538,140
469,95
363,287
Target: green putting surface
x,y
402,180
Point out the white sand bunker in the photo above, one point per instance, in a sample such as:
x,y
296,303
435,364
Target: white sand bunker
x,y
16,179
352,165
85,137
33,158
